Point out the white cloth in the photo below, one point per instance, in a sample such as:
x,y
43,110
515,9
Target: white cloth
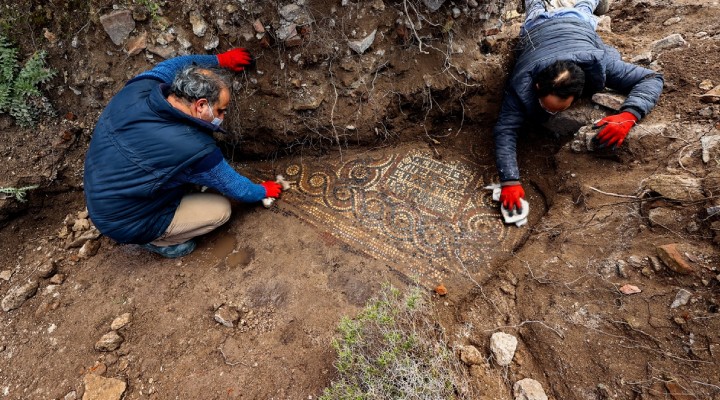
x,y
510,218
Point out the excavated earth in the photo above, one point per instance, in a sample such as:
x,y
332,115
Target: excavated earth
x,y
388,151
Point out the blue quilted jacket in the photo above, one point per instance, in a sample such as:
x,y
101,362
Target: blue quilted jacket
x,y
573,40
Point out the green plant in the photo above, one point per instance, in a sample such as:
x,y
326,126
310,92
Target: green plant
x,y
19,94
152,6
18,193
394,349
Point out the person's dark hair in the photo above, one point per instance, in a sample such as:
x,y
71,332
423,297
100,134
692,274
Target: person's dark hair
x,y
194,82
561,78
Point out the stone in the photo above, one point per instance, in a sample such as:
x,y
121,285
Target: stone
x,y
291,12
712,96
121,321
706,84
17,295
681,298
642,58
47,269
503,347
286,31
621,268
258,26
101,388
212,43
118,25
433,5
89,249
671,257
604,24
528,389
109,342
6,275
667,43
470,355
635,261
90,234
199,26
657,266
165,52
360,46
667,218
582,141
57,279
709,143
309,100
676,187
227,316
72,395
136,44
629,289
81,224
672,20
610,100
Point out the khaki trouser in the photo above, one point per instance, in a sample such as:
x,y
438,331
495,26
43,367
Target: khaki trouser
x,y
197,214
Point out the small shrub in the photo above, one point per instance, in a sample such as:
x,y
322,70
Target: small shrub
x,y
394,350
19,94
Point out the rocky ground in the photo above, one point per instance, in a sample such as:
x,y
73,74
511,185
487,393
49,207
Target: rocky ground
x,y
610,291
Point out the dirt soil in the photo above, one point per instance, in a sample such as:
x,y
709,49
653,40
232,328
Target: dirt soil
x,y
388,152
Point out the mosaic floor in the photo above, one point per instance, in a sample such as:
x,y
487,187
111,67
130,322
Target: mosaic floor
x,y
426,218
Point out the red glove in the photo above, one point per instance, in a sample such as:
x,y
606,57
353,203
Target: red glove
x,y
510,197
235,59
616,127
272,189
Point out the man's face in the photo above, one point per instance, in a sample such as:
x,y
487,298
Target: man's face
x,y
207,112
554,104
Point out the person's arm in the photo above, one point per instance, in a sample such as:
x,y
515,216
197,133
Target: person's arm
x,y
505,133
166,70
214,172
642,86
236,60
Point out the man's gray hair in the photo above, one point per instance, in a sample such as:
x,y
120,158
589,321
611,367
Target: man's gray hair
x,y
195,82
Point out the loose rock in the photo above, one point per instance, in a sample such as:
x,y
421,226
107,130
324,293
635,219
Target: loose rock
x,y
101,388
199,26
676,187
629,289
136,44
503,347
671,257
227,316
681,298
120,322
17,295
433,5
609,100
470,355
109,342
89,249
528,389
360,46
118,25
47,269
670,42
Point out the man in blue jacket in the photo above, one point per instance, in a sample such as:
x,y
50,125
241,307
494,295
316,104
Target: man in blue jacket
x,y
560,57
152,142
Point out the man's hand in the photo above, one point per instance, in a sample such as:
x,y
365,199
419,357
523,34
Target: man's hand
x,y
510,197
614,129
235,59
272,189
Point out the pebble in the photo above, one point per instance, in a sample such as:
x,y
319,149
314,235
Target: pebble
x,y
681,298
670,42
57,279
109,342
89,249
470,355
227,316
98,387
120,322
360,46
503,347
118,25
630,289
6,275
16,296
671,257
199,26
528,389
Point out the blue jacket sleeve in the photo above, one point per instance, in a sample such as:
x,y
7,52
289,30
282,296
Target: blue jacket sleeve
x,y
166,70
505,133
214,172
643,86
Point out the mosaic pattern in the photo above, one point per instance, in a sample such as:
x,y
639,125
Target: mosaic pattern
x,y
426,218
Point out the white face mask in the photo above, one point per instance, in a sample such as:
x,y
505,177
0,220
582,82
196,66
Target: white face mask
x,y
216,121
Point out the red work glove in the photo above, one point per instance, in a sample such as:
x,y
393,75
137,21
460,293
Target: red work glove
x,y
272,189
235,59
616,127
510,197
